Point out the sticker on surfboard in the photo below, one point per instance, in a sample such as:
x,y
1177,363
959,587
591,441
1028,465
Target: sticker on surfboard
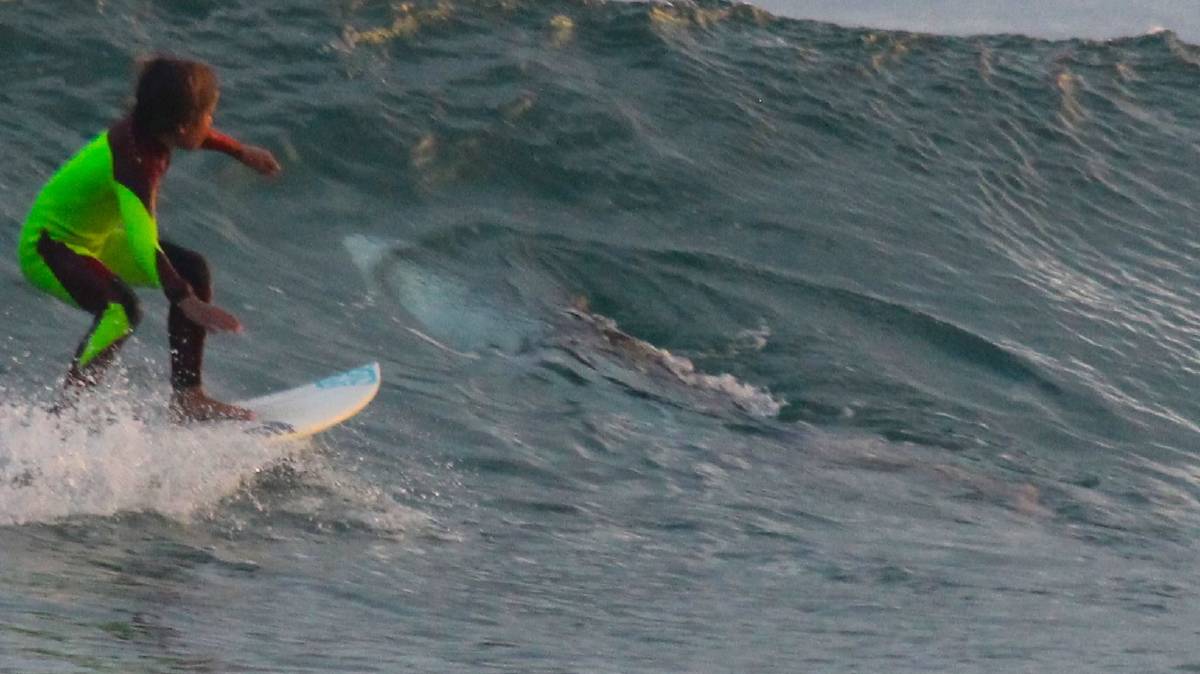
x,y
305,410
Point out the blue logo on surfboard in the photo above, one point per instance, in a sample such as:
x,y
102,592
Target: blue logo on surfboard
x,y
359,376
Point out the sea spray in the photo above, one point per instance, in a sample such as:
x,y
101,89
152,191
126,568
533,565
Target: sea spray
x,y
106,457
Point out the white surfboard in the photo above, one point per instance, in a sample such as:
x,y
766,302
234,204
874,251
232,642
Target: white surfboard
x,y
305,410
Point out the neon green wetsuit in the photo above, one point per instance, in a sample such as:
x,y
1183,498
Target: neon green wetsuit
x,y
91,234
84,207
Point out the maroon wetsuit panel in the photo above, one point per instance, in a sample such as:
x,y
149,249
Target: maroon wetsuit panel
x,y
93,287
139,163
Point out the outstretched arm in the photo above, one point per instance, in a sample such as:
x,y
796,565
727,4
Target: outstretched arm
x,y
257,158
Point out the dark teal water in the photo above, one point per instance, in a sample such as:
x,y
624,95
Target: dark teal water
x,y
712,341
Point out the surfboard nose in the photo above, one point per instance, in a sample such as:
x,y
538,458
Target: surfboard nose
x,y
312,408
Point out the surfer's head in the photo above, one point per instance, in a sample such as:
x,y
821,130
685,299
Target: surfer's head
x,y
175,101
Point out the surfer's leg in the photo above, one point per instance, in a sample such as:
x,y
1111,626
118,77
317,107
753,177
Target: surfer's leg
x,y
93,287
187,336
189,401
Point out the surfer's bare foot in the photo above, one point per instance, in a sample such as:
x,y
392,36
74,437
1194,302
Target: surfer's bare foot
x,y
193,404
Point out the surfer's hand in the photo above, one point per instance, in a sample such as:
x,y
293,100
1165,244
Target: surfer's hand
x,y
260,160
208,315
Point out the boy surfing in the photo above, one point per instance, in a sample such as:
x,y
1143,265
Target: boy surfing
x,y
91,234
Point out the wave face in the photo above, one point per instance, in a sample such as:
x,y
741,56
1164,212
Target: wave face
x,y
712,341
1052,19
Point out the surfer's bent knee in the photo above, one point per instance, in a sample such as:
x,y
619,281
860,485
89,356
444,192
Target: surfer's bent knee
x,y
192,267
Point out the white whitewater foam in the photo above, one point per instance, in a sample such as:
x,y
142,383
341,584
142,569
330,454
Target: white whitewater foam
x,y
754,400
111,458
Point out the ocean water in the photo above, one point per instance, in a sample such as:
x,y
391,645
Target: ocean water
x,y
712,341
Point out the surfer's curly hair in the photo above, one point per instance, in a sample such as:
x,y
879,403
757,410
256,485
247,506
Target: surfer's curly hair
x,y
172,92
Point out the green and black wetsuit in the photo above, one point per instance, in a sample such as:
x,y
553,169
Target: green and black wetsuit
x,y
92,234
